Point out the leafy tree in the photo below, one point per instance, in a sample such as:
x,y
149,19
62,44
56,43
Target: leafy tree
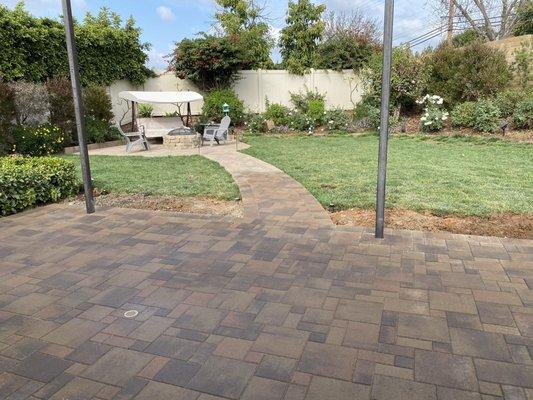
x,y
524,19
300,37
465,38
210,61
244,18
34,49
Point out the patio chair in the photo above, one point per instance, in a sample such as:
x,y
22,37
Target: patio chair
x,y
134,138
217,132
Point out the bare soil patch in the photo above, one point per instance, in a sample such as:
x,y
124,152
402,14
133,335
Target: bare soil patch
x,y
193,205
501,225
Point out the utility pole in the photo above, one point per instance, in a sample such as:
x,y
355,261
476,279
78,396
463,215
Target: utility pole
x,y
384,125
451,15
78,105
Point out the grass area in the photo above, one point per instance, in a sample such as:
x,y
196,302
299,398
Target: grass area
x,y
445,175
185,176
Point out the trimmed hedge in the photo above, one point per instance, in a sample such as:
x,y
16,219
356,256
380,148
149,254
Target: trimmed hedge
x,y
28,181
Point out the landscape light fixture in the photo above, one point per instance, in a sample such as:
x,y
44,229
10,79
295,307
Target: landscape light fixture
x,y
384,121
78,105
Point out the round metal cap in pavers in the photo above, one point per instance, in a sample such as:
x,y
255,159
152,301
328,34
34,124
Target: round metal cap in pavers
x,y
131,313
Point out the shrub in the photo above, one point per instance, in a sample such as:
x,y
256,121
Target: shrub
x,y
278,114
524,19
31,103
301,100
366,115
42,140
337,120
145,110
507,100
434,116
467,73
300,121
523,115
62,105
98,103
99,131
316,110
463,115
7,115
344,52
522,65
214,101
465,38
26,181
255,123
486,116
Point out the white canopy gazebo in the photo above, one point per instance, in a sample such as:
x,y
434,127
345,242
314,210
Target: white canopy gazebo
x,y
177,98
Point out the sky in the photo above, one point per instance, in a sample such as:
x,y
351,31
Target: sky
x,y
165,22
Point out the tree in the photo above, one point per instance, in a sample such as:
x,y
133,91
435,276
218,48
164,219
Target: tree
x,y
491,19
245,19
348,42
524,20
300,37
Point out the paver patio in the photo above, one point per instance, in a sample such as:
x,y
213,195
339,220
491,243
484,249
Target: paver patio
x,y
278,305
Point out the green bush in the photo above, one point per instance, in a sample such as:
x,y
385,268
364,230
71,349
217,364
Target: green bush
x,y
301,100
467,73
344,51
98,103
214,101
7,115
337,120
508,100
145,110
465,38
255,123
486,117
316,110
523,115
463,115
99,131
27,181
42,140
300,121
366,115
278,114
62,106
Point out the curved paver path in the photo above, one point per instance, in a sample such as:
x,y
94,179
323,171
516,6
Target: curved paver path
x,y
268,193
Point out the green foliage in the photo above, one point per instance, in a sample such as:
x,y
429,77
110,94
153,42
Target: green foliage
x,y
300,121
434,116
61,105
344,52
507,100
463,114
277,113
337,119
522,65
468,73
213,102
367,115
465,38
316,111
523,115
299,38
255,123
98,103
408,80
524,20
7,115
99,131
145,110
244,19
26,182
34,48
301,100
486,116
210,61
42,140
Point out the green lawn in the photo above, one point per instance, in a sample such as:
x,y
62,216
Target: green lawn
x,y
445,175
180,176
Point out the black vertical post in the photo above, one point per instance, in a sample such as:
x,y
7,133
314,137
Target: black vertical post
x,y
384,125
78,105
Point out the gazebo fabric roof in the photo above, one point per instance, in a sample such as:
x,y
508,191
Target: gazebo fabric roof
x,y
161,97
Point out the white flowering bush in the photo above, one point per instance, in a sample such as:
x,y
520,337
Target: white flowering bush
x,y
434,115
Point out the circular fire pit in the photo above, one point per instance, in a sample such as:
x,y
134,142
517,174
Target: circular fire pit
x,y
180,139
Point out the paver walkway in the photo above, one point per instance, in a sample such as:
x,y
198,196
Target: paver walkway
x,y
258,308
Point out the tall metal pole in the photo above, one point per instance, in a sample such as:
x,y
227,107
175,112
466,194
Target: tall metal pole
x,y
78,106
384,126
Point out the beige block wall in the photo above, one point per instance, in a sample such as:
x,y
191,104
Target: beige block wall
x,y
342,89
510,45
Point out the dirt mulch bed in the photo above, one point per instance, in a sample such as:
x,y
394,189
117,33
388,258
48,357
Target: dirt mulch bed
x,y
502,225
194,205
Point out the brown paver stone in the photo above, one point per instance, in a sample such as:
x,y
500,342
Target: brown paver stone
x,y
327,388
359,311
423,327
74,332
30,304
444,393
328,360
445,370
479,344
264,389
277,368
391,388
162,391
42,367
505,373
78,389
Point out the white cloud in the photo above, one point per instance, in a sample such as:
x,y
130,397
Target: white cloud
x,y
165,13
